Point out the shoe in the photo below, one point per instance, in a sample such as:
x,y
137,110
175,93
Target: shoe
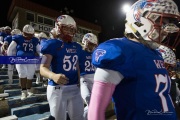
x,y
23,95
37,81
4,66
45,83
10,81
29,93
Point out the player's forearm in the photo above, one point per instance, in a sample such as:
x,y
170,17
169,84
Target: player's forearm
x,y
44,68
45,72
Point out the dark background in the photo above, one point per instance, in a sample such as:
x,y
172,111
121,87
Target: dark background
x,y
106,13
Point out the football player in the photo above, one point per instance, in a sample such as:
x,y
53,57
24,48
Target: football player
x,y
170,63
87,70
1,32
5,32
7,42
25,45
131,71
62,57
42,38
1,40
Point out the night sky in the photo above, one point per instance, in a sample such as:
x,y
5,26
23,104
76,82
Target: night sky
x,y
106,13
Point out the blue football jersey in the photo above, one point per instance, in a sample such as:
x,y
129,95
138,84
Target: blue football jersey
x,y
42,41
3,34
25,47
8,39
85,61
143,94
65,59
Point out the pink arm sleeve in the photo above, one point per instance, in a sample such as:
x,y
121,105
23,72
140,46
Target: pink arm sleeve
x,y
100,98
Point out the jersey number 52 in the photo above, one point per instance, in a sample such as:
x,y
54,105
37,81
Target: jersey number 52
x,y
69,64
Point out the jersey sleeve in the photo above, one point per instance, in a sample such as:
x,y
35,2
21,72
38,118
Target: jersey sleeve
x,y
36,41
15,38
6,39
49,47
107,55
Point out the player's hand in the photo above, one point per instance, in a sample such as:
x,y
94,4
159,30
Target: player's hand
x,y
4,52
4,47
60,79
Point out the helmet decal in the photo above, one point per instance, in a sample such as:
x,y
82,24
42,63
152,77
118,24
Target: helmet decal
x,y
90,41
138,8
60,18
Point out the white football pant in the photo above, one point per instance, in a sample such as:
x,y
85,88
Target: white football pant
x,y
86,87
63,98
26,70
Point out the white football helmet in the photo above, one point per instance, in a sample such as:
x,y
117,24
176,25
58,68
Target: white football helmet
x,y
28,32
28,29
1,29
153,20
7,28
90,41
16,32
42,35
168,55
66,27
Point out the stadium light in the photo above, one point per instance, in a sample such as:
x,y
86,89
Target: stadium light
x,y
126,7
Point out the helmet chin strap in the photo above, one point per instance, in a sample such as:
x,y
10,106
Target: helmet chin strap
x,y
136,33
139,37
